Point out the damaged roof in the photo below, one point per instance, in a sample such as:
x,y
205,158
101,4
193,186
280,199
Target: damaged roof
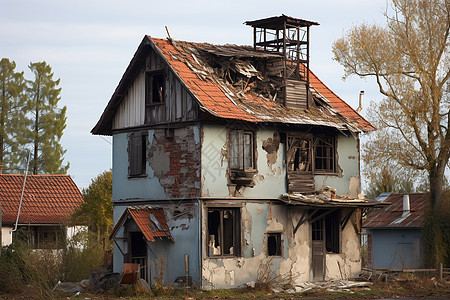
x,y
392,216
324,201
47,199
151,221
221,99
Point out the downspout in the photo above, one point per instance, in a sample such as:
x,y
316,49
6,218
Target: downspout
x,y
23,189
200,253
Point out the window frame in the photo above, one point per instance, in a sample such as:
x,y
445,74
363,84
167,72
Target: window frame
x,y
330,156
279,244
241,146
236,232
137,154
294,140
149,87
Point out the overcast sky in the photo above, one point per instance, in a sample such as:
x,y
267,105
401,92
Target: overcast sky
x,y
89,44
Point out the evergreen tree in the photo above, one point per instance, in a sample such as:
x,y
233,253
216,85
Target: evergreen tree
x,y
12,115
46,122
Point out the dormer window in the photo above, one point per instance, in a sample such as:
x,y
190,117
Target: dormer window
x,y
154,87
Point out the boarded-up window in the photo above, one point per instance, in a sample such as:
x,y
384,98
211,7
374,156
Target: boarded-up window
x,y
154,87
241,150
224,232
324,155
137,145
274,244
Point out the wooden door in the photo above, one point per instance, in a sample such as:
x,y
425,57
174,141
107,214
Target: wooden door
x,y
318,250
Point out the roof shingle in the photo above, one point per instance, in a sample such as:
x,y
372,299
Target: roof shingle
x,y
47,199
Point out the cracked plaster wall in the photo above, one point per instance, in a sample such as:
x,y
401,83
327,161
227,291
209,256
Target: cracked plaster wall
x,y
346,264
183,221
348,181
172,166
270,180
258,219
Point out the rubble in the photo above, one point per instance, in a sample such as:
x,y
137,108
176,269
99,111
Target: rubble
x,y
331,286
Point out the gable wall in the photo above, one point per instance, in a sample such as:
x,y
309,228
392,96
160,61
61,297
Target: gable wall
x,y
179,105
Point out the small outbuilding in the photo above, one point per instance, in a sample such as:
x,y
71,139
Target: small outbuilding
x,y
395,232
47,203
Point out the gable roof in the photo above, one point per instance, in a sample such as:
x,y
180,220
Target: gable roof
x,y
220,99
47,199
392,216
151,222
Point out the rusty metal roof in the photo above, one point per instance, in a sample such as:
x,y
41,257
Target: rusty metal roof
x,y
216,96
151,222
392,216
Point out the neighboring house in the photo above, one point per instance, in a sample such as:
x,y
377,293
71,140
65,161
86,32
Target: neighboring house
x,y
394,232
218,152
48,201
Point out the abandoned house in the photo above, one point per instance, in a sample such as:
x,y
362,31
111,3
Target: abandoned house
x,y
219,154
394,232
42,217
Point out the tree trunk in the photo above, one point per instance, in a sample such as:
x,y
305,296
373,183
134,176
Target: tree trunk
x,y
436,178
36,134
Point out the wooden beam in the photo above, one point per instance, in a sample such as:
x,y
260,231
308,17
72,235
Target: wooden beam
x,y
301,221
346,218
322,215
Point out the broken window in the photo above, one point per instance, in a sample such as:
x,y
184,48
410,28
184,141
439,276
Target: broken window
x,y
274,244
300,154
154,87
241,150
137,147
303,151
223,232
324,155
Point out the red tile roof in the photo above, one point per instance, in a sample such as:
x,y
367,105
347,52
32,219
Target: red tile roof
x,y
47,199
392,216
222,100
151,222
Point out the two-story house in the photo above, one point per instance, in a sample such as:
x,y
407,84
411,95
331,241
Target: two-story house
x,y
227,158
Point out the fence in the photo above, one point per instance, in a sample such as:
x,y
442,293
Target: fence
x,y
440,271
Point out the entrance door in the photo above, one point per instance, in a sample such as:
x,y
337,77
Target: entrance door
x,y
139,253
318,250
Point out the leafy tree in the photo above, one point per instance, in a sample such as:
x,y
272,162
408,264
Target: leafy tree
x,y
409,59
12,115
47,121
97,209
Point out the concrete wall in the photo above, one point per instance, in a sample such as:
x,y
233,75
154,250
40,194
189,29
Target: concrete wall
x,y
172,166
258,219
397,248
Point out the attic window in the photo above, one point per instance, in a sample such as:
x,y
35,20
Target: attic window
x,y
154,87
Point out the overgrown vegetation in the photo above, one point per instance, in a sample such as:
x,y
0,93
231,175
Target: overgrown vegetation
x,y
23,268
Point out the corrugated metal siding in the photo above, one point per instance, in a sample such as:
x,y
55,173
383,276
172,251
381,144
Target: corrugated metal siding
x,y
131,111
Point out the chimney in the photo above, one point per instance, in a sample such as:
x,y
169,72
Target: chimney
x,y
361,101
406,206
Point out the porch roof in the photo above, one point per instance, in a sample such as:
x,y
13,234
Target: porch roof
x,y
151,221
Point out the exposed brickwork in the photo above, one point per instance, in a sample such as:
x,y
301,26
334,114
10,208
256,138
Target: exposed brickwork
x,y
182,179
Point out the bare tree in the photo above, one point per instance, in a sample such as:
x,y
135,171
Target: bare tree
x,y
409,58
